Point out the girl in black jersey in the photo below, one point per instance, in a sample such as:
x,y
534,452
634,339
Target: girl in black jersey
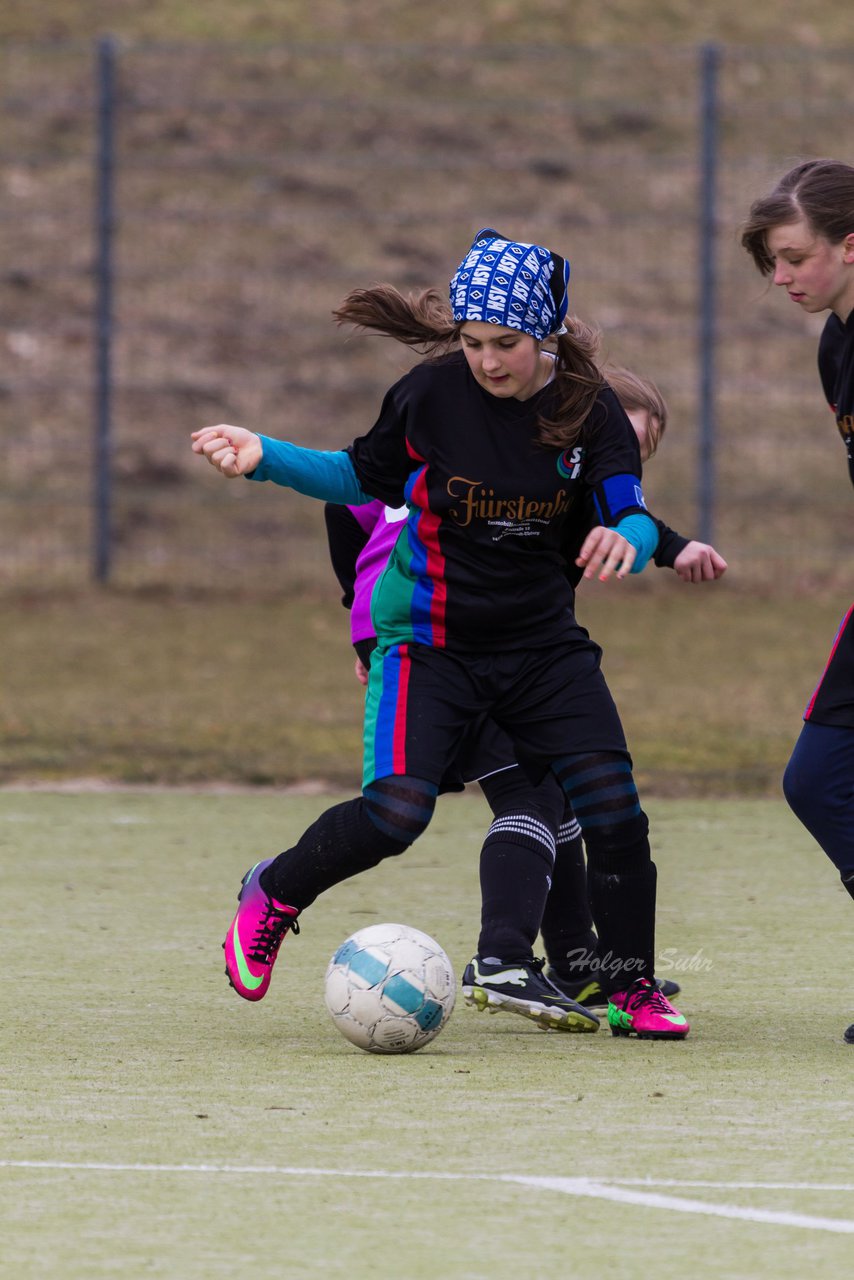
x,y
802,235
360,539
491,444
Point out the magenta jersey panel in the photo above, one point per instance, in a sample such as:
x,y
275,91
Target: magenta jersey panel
x,y
383,525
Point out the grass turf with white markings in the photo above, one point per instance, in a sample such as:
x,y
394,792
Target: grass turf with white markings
x,y
124,1045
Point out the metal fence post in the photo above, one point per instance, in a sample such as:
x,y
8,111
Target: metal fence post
x,y
105,70
710,60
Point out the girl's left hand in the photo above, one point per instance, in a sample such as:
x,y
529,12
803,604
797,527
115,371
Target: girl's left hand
x,y
604,552
699,562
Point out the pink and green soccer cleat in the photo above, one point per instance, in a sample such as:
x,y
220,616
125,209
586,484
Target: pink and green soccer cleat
x,y
641,1010
255,935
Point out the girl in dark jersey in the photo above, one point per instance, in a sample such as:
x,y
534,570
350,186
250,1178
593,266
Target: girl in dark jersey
x,y
802,235
360,541
491,443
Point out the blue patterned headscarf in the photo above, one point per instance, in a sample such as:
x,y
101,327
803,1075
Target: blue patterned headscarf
x,y
521,286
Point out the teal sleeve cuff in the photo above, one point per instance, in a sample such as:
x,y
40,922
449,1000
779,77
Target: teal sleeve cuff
x,y
642,532
314,472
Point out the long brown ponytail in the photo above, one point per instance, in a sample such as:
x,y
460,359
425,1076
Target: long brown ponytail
x,y
421,320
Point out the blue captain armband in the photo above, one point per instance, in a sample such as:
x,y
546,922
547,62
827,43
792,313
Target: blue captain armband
x,y
642,532
314,472
618,493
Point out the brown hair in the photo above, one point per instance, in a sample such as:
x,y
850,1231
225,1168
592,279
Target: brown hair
x,y
425,321
819,191
638,394
421,320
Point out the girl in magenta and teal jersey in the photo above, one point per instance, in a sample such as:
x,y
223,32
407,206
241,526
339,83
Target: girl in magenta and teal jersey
x,y
802,236
491,444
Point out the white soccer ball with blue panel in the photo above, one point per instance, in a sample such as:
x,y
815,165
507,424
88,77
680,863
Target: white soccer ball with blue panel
x,y
390,988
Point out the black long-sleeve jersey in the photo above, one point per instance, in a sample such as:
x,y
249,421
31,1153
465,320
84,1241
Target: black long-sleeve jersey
x,y
836,368
832,703
489,505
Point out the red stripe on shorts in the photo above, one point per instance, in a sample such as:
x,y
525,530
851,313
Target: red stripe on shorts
x,y
398,752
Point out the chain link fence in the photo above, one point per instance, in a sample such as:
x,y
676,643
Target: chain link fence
x,y
180,221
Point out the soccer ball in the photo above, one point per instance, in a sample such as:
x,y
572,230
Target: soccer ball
x,y
390,988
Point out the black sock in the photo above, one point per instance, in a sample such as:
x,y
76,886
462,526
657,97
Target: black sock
x,y
515,868
567,928
620,874
341,843
624,910
622,888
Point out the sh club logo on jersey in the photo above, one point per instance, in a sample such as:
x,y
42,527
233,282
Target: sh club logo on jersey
x,y
569,463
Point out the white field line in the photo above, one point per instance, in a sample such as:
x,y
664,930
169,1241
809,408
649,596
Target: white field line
x,y
731,1186
620,1190
652,1200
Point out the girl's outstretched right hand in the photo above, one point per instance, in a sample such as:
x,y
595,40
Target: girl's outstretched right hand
x,y
232,450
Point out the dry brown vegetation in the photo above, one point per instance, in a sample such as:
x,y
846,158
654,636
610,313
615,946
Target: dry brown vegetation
x,y
257,184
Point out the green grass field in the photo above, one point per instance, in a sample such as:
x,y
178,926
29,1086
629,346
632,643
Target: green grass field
x,y
151,1123
154,1125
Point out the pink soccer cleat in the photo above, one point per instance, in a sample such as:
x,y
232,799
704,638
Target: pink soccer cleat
x,y
641,1010
255,935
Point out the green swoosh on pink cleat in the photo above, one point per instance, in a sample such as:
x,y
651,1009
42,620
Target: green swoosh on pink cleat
x,y
247,977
